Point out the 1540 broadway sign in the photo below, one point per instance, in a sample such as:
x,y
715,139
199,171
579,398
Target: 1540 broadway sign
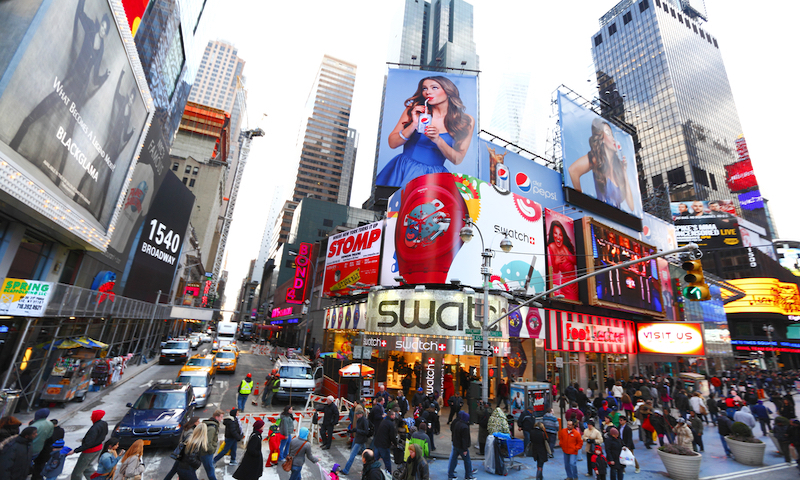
x,y
433,312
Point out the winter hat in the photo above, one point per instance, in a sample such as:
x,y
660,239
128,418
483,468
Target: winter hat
x,y
258,425
419,389
58,443
463,416
590,422
303,433
97,415
681,420
335,467
234,411
598,449
41,413
613,431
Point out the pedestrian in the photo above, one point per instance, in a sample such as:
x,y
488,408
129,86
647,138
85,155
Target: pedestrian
x,y
540,449
762,414
416,465
91,446
186,433
484,412
233,434
724,429
299,450
191,454
43,442
783,436
683,434
570,440
697,431
418,398
372,466
385,439
550,422
574,414
699,405
131,466
613,451
626,435
109,458
600,463
245,389
9,426
659,425
460,437
15,459
55,463
274,439
421,438
455,402
406,384
591,437
503,390
525,424
252,460
787,409
402,403
359,440
212,433
266,397
745,417
286,429
375,416
329,420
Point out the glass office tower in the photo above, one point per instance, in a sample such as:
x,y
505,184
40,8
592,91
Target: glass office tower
x,y
659,69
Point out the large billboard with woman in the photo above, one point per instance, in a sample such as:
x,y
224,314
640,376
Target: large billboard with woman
x,y
429,125
562,258
599,158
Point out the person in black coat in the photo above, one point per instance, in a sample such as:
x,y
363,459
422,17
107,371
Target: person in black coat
x,y
233,433
419,397
252,461
15,461
626,434
460,437
90,446
538,447
613,450
385,439
724,429
429,416
375,416
455,402
329,420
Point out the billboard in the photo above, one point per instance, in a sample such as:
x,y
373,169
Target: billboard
x,y
74,105
428,215
520,175
353,259
599,158
658,233
296,293
562,256
575,332
740,176
637,287
702,208
134,10
765,295
789,257
708,231
751,200
526,322
673,338
24,298
157,246
451,141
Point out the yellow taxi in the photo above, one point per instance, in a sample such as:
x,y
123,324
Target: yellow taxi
x,y
232,348
226,361
201,361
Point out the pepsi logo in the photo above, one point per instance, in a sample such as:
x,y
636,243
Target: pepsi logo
x,y
646,231
523,182
502,172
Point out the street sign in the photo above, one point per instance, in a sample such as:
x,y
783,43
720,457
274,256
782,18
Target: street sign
x,y
495,333
473,331
559,362
477,345
477,337
489,352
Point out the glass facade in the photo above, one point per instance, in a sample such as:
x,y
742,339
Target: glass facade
x,y
660,70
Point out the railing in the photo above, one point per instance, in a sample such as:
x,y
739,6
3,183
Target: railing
x,y
71,301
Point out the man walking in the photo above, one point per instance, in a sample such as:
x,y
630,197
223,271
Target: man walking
x,y
570,440
376,416
233,433
761,412
385,438
91,446
461,440
266,397
362,433
724,429
626,434
455,402
525,423
330,418
245,389
42,442
207,456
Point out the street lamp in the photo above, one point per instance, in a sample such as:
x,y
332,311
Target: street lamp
x,y
769,329
313,264
466,235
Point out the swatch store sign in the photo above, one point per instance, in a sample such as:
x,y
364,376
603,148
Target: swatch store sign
x,y
427,345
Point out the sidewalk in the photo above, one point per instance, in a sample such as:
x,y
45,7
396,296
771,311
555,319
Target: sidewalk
x,y
65,411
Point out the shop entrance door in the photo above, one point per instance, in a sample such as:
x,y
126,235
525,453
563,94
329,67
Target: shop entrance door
x,y
591,372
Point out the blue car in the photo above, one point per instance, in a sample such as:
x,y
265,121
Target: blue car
x,y
156,417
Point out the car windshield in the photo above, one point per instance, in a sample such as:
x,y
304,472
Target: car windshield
x,y
194,380
200,362
226,355
296,372
176,345
151,400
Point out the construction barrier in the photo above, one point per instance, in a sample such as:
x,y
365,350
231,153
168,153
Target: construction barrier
x,y
261,349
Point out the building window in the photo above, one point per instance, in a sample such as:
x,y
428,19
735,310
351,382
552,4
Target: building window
x,y
598,40
175,167
666,7
677,176
195,170
695,28
715,43
658,3
612,29
188,169
327,223
191,182
700,176
31,257
672,11
713,181
185,179
658,181
628,17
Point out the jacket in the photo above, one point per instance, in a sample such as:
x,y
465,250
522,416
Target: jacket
x,y
55,464
594,435
550,422
724,425
286,426
44,430
697,404
683,435
760,411
15,461
386,434
613,450
299,452
402,402
375,415
252,463
526,421
538,445
418,399
570,441
361,430
697,426
107,463
456,402
330,414
213,436
129,468
745,417
95,436
232,430
460,435
626,435
418,466
372,471
423,440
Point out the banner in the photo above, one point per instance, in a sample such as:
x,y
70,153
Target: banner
x,y
24,298
599,158
526,322
740,175
562,259
353,259
574,332
451,144
73,111
765,295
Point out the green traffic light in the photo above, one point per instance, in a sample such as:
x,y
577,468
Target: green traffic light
x,y
693,293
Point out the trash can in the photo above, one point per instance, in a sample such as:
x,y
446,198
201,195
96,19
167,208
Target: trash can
x,y
510,419
8,402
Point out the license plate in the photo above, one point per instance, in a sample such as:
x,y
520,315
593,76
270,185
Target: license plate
x,y
146,442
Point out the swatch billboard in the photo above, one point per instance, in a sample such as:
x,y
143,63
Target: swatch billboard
x,y
353,259
429,125
427,217
74,105
599,158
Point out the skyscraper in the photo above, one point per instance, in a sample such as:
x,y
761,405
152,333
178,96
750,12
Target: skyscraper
x,y
509,120
216,82
660,69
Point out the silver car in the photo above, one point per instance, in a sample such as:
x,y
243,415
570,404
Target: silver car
x,y
201,382
194,341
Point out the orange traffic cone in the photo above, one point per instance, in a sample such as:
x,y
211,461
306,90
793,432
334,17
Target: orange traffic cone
x,y
256,394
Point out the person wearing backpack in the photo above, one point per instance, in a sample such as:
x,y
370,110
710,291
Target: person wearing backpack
x,y
252,460
189,459
233,434
299,450
55,463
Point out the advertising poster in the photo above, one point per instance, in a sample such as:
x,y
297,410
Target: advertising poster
x,y
789,257
353,259
73,113
658,233
574,332
637,287
24,298
765,295
708,231
740,176
526,322
678,338
599,158
520,175
751,200
134,10
159,241
451,142
562,259
702,208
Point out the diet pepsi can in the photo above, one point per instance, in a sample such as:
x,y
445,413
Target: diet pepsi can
x,y
424,121
503,177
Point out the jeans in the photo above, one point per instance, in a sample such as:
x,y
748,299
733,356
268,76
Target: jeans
x,y
697,442
230,446
386,455
571,465
617,473
551,439
327,434
172,471
284,449
714,418
725,445
503,400
208,464
84,466
451,467
354,452
241,401
186,474
527,440
295,475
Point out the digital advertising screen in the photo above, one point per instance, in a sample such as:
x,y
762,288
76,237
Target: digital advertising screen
x,y
751,200
674,338
708,231
562,257
702,208
637,287
599,158
445,106
353,259
73,110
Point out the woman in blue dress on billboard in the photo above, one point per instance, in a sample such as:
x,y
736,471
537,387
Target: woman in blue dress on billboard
x,y
608,165
446,136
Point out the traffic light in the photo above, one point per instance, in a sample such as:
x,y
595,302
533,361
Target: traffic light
x,y
697,290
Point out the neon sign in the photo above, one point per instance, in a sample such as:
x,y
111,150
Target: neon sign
x,y
280,312
296,293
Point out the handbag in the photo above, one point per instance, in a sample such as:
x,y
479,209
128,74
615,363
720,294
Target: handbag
x,y
287,464
177,451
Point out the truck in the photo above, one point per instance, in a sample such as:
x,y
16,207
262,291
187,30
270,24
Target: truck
x,y
297,377
226,334
245,330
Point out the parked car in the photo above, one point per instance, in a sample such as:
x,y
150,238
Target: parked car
x,y
157,415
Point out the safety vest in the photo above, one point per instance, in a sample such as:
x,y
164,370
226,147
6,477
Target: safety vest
x,y
246,387
276,384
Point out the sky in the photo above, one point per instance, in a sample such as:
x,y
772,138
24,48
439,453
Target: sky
x,y
283,44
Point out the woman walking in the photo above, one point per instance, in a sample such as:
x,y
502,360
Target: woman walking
x,y
416,466
251,466
111,455
286,429
186,432
131,466
540,448
189,458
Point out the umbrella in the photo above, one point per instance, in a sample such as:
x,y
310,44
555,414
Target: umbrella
x,y
356,370
70,343
90,343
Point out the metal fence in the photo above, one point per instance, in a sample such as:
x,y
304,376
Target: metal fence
x,y
71,301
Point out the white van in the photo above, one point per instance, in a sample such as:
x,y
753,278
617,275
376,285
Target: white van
x,y
297,378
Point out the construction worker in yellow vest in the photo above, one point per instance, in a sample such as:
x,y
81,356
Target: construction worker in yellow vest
x,y
245,389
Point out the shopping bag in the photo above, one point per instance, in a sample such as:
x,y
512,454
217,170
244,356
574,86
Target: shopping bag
x,y
655,436
626,457
221,446
793,451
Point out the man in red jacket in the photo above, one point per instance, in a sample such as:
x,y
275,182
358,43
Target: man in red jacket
x,y
571,442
